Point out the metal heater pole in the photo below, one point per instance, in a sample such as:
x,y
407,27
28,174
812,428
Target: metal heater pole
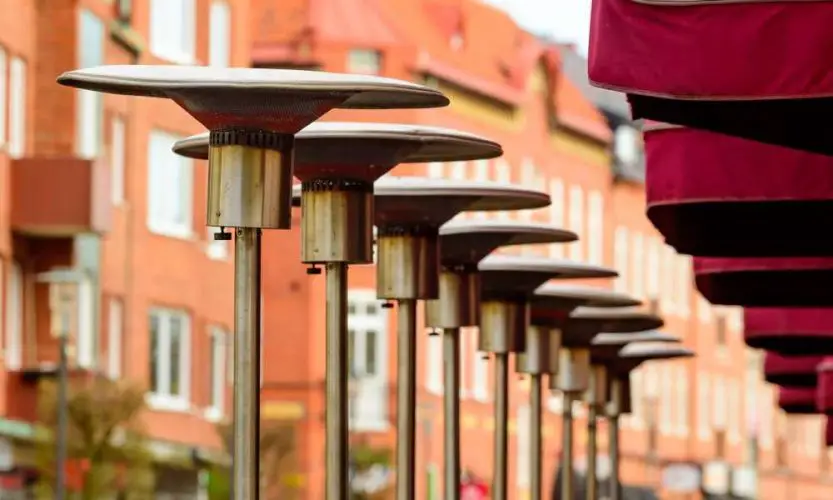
x,y
246,466
451,411
592,427
615,486
536,410
63,420
337,375
406,400
567,449
501,445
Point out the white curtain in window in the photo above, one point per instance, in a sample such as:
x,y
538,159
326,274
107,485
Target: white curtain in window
x,y
17,107
90,121
626,144
14,317
434,364
219,44
173,30
170,185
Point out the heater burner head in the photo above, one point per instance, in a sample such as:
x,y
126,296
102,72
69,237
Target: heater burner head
x,y
510,275
469,242
274,100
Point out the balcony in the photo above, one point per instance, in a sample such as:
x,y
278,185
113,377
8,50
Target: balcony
x,y
59,197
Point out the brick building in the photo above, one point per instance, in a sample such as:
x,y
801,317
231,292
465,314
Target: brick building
x,y
532,96
90,193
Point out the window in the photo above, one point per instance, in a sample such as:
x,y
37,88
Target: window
x,y
466,353
481,174
735,410
217,249
684,285
704,309
170,186
458,171
14,317
90,114
17,108
115,330
173,30
502,175
681,391
436,170
576,218
703,407
653,267
219,42
117,160
364,61
620,258
767,415
434,364
666,419
626,144
668,256
71,303
595,228
3,88
720,330
170,358
719,406
556,210
367,324
217,371
637,265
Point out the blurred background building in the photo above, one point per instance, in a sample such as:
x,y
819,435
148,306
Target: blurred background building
x,y
90,194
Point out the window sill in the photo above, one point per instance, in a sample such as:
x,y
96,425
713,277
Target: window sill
x,y
372,425
213,415
181,233
161,402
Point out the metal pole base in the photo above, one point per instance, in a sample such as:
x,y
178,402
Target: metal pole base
x,y
406,401
451,412
337,375
500,487
567,488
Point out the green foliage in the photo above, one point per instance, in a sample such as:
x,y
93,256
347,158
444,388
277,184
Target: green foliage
x,y
364,458
105,442
278,472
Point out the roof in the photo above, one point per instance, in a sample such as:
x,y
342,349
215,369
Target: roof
x,y
574,66
465,42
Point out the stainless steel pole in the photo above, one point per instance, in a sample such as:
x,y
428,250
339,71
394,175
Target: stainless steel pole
x,y
567,449
501,445
246,453
592,427
451,411
336,411
406,401
615,485
536,410
63,420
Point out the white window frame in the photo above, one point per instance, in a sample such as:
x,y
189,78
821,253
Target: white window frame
x,y
503,175
364,61
89,130
621,247
164,399
219,37
666,399
216,249
523,464
480,370
684,285
720,410
170,181
653,284
638,265
575,217
166,23
481,174
434,363
4,75
370,412
118,158
595,228
626,144
682,394
17,107
115,337
556,214
436,170
76,321
637,416
704,415
218,342
14,317
669,303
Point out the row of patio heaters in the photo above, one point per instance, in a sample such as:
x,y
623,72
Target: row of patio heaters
x,y
735,98
262,137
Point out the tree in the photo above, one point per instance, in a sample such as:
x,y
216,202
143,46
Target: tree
x,y
106,448
279,477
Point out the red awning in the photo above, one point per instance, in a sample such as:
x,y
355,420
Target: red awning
x,y
716,195
789,331
797,401
824,392
765,282
798,371
758,70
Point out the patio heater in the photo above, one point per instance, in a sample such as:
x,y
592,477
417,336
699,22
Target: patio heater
x,y
574,368
462,246
337,164
619,401
603,352
253,115
549,308
508,284
409,213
